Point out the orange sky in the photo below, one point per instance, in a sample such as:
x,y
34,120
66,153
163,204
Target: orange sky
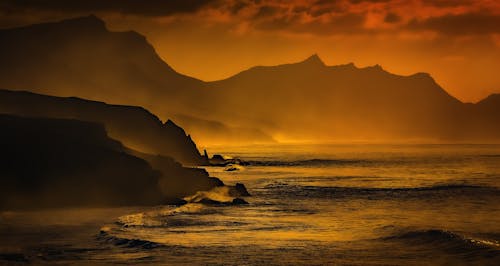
x,y
457,42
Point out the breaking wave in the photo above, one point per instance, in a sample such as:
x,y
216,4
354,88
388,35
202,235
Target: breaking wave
x,y
125,242
449,242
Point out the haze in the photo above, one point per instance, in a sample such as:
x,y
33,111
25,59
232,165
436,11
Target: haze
x,y
457,42
250,132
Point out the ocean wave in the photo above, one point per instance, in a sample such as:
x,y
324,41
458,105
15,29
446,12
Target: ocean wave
x,y
104,236
360,162
445,190
450,242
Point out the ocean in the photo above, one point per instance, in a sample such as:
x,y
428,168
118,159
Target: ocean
x,y
361,204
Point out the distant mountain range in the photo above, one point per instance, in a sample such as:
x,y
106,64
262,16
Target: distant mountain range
x,y
303,101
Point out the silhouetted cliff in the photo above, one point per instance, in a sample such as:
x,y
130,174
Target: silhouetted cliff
x,y
56,162
80,57
134,126
47,162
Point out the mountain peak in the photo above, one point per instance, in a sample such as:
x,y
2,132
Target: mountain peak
x,y
313,60
91,21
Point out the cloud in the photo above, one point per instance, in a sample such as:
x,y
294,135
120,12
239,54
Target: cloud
x,y
392,18
447,3
461,24
368,1
268,11
319,17
127,7
295,23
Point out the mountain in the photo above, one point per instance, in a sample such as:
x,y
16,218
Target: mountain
x,y
345,102
134,126
80,57
58,162
308,100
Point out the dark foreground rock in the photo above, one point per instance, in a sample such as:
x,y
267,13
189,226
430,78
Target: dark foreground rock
x,y
48,162
235,201
222,195
238,190
178,181
219,160
59,162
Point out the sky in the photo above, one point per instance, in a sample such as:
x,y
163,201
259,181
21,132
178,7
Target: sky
x,y
457,42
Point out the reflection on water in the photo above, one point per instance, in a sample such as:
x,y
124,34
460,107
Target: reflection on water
x,y
321,204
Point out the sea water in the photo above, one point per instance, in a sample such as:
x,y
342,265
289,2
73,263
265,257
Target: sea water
x,y
310,205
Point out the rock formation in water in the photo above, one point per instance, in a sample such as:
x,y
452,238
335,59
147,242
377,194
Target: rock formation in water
x,y
178,181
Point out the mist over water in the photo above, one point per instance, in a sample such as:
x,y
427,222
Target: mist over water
x,y
310,205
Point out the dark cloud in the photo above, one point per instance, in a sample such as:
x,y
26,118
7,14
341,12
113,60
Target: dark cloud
x,y
237,6
462,24
339,24
447,3
130,7
327,6
392,18
368,1
321,17
268,11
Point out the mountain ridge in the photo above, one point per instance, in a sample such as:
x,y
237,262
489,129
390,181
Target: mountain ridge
x,y
135,126
307,99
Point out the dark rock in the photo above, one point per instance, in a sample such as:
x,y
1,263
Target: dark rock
x,y
219,160
60,162
216,182
218,157
178,181
174,201
231,169
235,201
208,201
238,190
239,201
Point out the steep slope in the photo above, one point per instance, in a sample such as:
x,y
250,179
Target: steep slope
x,y
134,126
80,57
56,162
